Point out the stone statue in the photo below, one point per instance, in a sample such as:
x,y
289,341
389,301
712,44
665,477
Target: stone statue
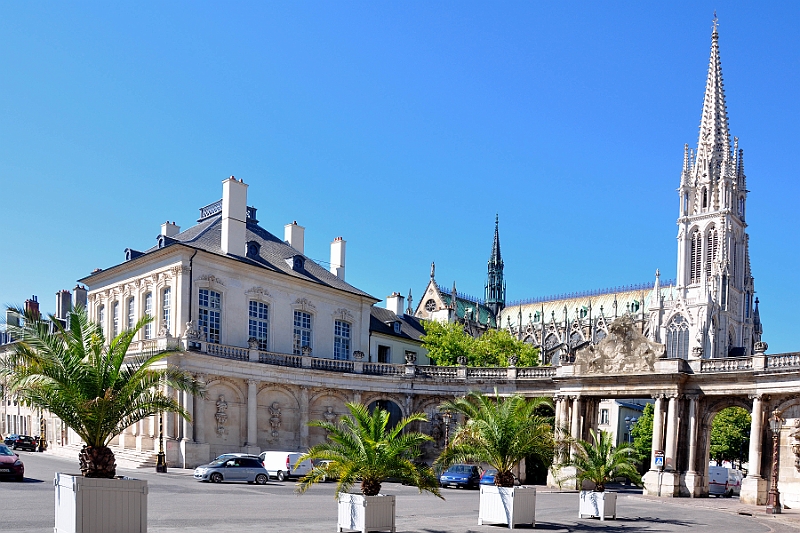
x,y
275,418
794,442
329,415
221,415
191,332
624,350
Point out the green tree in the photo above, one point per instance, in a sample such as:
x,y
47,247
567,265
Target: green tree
x,y
642,433
600,462
447,342
363,447
499,431
89,384
730,435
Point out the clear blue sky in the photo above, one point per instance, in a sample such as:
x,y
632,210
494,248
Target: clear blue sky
x,y
402,127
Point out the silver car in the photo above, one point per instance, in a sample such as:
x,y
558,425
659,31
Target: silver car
x,y
233,469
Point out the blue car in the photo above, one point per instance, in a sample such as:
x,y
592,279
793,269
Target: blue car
x,y
488,476
466,476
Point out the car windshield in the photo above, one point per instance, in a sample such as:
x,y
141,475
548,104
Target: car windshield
x,y
460,469
5,451
217,462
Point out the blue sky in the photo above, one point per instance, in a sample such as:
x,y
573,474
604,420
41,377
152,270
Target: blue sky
x,y
402,127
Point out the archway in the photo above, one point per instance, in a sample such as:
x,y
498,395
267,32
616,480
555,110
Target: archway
x,y
720,412
395,413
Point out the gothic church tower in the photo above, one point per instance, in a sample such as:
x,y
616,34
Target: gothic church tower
x,y
710,314
495,285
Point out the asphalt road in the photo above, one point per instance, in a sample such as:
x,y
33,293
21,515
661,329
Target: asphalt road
x,y
179,503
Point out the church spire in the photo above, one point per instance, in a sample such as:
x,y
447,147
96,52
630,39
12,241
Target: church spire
x,y
714,143
495,286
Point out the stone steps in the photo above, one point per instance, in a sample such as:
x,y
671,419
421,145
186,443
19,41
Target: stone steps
x,y
125,457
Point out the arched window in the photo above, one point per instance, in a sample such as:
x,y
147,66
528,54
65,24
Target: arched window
x,y
148,310
695,257
712,245
101,317
678,338
705,197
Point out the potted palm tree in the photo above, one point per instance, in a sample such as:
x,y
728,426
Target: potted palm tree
x,y
501,432
596,464
72,372
362,447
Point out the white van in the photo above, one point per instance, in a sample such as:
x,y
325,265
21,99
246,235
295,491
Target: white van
x,y
280,465
724,481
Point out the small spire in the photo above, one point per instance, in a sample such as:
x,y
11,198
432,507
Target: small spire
x,y
714,141
409,310
686,158
433,269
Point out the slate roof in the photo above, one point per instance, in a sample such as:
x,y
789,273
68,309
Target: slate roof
x,y
273,253
485,316
410,326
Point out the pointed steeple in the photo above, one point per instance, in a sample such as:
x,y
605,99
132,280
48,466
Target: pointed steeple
x,y
713,146
495,285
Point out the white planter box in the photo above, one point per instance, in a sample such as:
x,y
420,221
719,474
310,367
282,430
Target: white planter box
x,y
598,504
507,505
91,505
366,513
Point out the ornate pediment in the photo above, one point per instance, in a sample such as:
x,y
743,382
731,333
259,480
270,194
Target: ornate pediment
x,y
624,350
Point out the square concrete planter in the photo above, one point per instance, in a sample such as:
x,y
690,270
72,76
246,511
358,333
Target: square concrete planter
x,y
366,513
91,505
598,504
507,505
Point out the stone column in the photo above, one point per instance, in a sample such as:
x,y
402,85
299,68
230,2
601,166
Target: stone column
x,y
199,413
658,430
575,430
672,434
754,487
557,429
693,480
186,429
304,417
252,417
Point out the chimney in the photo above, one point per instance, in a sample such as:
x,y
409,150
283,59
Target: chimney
x,y
63,304
32,306
234,216
170,229
80,296
337,257
294,235
394,303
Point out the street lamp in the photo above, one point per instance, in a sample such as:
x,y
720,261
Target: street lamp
x,y
774,498
447,415
161,462
630,421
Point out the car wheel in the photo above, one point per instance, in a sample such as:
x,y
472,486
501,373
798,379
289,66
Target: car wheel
x,y
261,479
20,478
280,476
216,477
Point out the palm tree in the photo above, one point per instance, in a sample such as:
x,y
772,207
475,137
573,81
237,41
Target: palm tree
x,y
498,431
363,447
70,371
600,461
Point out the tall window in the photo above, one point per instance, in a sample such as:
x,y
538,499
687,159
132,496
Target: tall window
x,y
131,312
705,197
148,310
711,249
747,304
209,314
166,309
695,257
302,331
383,354
101,317
604,417
341,340
259,323
115,315
741,207
678,338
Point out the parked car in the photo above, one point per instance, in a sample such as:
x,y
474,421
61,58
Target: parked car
x,y
225,456
488,476
460,475
24,442
281,465
10,464
9,440
724,481
233,469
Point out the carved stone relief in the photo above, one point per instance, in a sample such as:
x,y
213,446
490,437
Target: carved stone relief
x,y
275,418
221,416
624,350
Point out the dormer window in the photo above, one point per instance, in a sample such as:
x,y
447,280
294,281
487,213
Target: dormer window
x,y
253,250
397,327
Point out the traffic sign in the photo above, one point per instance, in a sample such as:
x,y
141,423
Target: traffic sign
x,y
660,461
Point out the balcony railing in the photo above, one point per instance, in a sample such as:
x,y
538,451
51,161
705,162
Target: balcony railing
x,y
727,364
783,361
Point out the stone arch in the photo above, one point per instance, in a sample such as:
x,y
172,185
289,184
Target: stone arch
x,y
279,418
709,408
388,404
326,405
226,432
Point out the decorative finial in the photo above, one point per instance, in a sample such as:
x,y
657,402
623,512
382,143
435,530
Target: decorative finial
x,y
433,269
714,25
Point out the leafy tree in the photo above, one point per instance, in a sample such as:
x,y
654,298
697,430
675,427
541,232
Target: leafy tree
x,y
599,462
447,342
730,434
642,433
89,384
363,447
498,431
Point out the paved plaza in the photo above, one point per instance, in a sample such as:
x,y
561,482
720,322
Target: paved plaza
x,y
179,503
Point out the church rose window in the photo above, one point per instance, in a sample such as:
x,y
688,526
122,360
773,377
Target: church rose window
x,y
678,338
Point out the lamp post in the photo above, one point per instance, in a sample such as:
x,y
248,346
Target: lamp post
x,y
774,497
630,421
447,415
161,462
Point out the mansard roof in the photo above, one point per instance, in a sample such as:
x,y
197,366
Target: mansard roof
x,y
410,327
273,253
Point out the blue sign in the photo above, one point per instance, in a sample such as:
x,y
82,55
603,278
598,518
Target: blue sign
x,y
659,461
